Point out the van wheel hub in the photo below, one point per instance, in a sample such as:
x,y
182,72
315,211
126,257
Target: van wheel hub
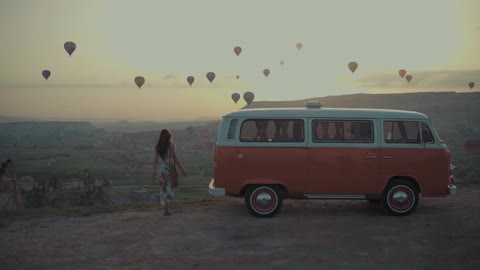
x,y
401,198
264,199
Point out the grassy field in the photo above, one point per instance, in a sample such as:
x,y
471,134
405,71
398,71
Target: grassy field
x,y
116,165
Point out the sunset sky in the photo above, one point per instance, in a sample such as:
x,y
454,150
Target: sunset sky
x,y
436,41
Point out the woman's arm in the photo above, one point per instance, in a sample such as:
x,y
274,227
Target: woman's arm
x,y
177,162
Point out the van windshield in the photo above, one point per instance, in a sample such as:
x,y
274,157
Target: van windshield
x,y
436,133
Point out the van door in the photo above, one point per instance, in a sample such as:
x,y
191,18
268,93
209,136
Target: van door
x,y
271,151
404,154
343,156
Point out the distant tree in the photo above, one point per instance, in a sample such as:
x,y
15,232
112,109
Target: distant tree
x,y
89,180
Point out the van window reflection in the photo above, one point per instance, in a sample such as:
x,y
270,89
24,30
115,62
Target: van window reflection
x,y
342,131
272,130
403,132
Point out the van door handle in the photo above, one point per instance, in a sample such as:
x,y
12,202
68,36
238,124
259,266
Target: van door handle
x,y
240,155
387,157
370,157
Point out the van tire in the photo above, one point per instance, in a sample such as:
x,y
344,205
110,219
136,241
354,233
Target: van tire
x,y
272,200
407,197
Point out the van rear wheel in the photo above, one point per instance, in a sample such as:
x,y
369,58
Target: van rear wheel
x,y
263,200
400,198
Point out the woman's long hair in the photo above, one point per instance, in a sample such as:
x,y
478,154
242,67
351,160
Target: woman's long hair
x,y
5,165
163,144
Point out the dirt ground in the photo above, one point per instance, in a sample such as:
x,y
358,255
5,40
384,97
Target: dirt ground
x,y
444,233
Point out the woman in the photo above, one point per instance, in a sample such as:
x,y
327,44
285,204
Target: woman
x,y
10,195
165,149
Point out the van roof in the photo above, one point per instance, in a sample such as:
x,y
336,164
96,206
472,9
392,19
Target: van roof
x,y
327,113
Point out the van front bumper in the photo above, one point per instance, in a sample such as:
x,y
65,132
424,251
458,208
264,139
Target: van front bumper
x,y
452,189
215,191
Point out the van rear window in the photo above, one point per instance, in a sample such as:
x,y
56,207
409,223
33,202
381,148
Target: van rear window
x,y
272,130
342,131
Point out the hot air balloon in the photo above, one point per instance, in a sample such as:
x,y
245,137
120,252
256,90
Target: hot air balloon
x,y
402,72
46,74
235,97
299,45
266,72
238,77
248,97
471,85
281,63
472,146
237,50
69,47
190,80
139,81
408,77
352,66
210,76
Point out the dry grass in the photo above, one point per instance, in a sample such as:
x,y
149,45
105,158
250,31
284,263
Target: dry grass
x,y
48,212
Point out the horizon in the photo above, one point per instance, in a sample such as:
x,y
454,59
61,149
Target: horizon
x,y
201,119
167,41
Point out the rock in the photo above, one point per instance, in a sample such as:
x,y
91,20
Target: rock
x,y
26,182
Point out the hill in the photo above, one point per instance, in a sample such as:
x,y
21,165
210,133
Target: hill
x,y
9,119
131,127
44,134
449,111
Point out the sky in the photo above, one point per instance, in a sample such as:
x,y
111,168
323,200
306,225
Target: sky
x,y
436,41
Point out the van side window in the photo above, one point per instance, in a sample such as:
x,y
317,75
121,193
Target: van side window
x,y
342,131
401,131
272,130
427,135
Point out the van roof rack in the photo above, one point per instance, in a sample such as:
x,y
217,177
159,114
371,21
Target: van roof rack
x,y
314,104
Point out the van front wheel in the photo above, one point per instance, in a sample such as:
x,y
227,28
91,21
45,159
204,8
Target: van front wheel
x,y
400,198
263,201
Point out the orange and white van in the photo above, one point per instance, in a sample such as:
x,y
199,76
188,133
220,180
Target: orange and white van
x,y
387,156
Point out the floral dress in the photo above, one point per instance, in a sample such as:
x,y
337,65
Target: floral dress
x,y
166,191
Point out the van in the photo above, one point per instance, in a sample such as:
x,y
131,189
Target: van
x,y
383,156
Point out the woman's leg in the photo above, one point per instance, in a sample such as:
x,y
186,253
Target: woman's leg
x,y
169,196
166,210
166,195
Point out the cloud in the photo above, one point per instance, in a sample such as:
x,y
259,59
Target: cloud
x,y
169,77
445,79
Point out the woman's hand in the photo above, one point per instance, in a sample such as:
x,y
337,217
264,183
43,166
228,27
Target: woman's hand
x,y
184,173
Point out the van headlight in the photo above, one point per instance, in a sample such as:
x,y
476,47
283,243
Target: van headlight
x,y
452,167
